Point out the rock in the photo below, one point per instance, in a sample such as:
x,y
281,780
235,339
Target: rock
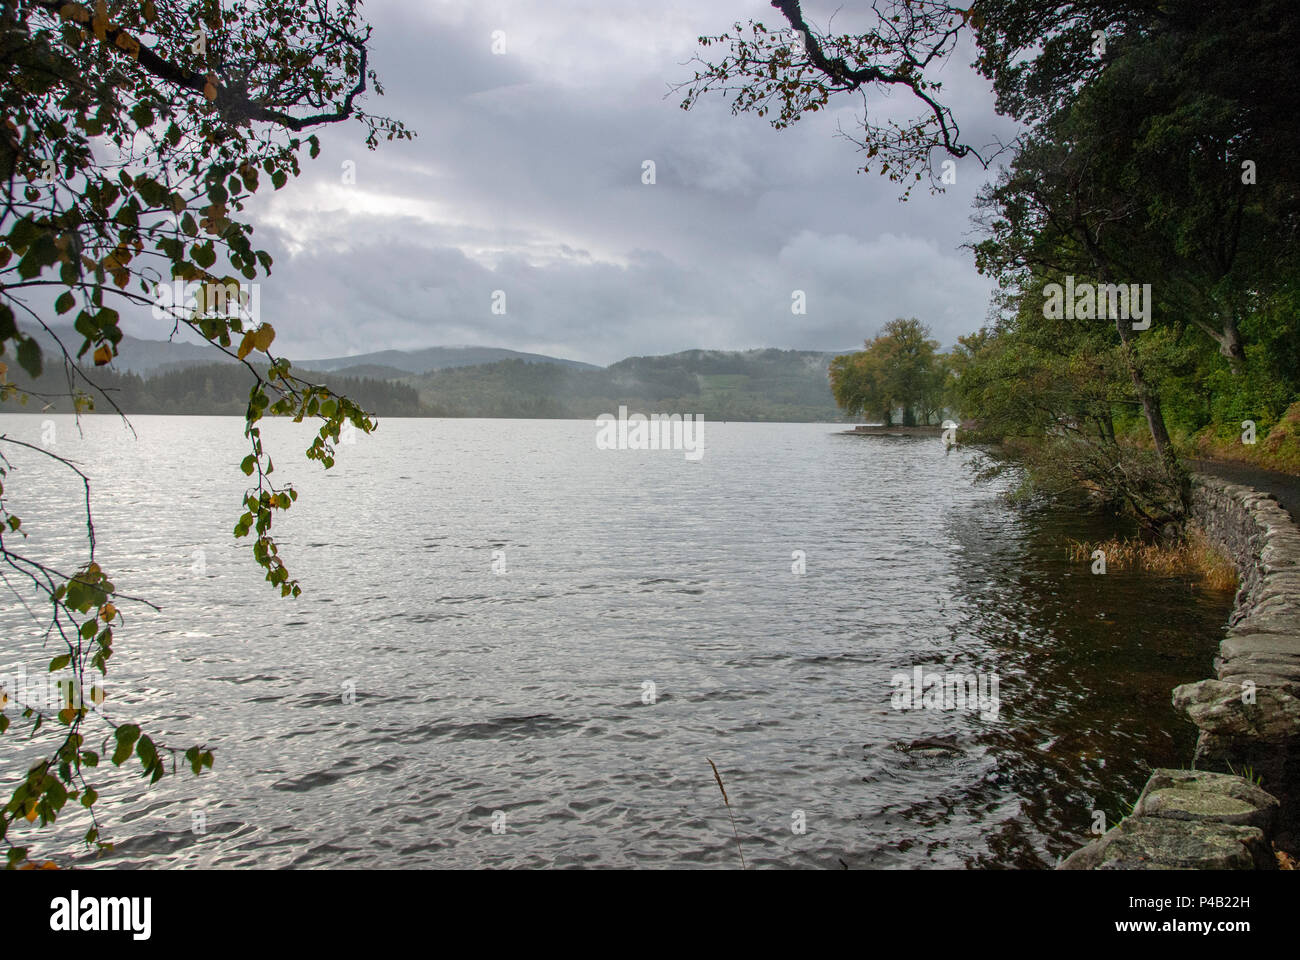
x,y
1086,857
945,746
1217,708
1252,666
1154,843
1243,641
1205,796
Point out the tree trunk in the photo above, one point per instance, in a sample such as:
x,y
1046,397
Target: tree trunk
x,y
1230,346
1174,471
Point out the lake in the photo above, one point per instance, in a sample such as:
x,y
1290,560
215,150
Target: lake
x,y
515,649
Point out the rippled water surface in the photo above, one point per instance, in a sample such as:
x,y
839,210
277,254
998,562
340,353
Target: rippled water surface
x,y
522,692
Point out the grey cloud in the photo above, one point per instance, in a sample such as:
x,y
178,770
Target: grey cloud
x,y
526,177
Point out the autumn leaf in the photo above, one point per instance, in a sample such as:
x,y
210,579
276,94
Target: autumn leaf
x,y
128,43
99,24
75,12
103,355
263,337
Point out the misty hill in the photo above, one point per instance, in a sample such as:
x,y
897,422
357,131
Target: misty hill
x,y
415,362
214,389
147,357
137,356
773,385
778,385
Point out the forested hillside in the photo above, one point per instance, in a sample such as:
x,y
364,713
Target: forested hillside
x,y
774,385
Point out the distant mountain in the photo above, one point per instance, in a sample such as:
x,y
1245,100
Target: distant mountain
x,y
136,356
147,357
773,385
417,362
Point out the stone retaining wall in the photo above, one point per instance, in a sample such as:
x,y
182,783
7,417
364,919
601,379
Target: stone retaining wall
x,y
1249,715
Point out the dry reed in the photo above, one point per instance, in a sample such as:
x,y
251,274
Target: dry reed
x,y
1192,556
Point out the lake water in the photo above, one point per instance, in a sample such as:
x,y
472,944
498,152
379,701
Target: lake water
x,y
522,699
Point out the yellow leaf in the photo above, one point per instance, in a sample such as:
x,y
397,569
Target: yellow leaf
x,y
108,612
245,345
75,12
100,22
31,813
103,355
210,87
128,43
263,337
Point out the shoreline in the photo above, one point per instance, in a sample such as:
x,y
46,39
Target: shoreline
x,y
1211,817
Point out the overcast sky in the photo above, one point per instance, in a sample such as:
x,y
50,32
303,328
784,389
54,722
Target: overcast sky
x,y
525,177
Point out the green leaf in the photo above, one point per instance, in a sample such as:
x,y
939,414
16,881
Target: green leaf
x,y
203,255
65,302
127,734
58,663
29,357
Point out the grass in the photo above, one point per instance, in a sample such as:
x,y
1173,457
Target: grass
x,y
735,832
1193,556
1277,449
1247,773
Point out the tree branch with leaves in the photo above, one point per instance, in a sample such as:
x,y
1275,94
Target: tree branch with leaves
x,y
134,134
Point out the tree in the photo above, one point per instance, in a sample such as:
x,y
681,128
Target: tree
x,y
898,369
857,383
131,142
1053,402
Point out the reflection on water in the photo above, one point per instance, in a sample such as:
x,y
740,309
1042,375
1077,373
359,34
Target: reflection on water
x,y
647,613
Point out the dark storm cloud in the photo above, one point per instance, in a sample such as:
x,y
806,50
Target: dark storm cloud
x,y
526,178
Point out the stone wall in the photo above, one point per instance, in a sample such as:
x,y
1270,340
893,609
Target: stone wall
x,y
1248,715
